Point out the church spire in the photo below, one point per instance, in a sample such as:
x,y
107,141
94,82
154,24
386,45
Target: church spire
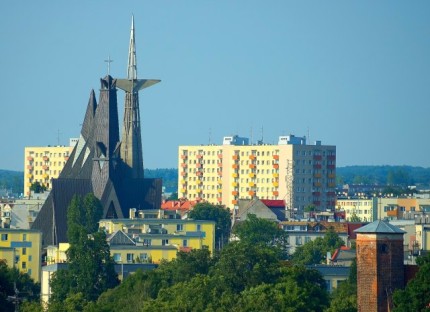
x,y
131,67
131,141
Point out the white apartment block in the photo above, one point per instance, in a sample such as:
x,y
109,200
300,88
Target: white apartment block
x,y
291,170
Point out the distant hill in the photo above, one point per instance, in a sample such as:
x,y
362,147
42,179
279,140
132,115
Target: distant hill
x,y
12,180
394,175
398,175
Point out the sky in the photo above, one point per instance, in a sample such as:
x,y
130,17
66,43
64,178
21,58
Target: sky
x,y
355,74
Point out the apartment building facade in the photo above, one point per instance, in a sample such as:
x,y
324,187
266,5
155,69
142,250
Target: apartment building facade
x,y
299,173
21,249
44,163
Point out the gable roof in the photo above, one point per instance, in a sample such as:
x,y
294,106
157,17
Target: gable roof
x,y
120,238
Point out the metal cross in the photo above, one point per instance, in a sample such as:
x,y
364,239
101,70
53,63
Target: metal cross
x,y
108,61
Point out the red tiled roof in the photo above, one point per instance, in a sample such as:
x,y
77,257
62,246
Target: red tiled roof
x,y
273,203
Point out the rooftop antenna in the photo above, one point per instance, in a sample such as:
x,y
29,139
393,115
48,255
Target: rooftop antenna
x,y
58,137
251,135
108,61
262,134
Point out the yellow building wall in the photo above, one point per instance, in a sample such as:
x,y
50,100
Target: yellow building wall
x,y
25,246
223,174
362,208
42,164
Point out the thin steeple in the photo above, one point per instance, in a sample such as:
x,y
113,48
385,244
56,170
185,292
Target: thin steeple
x,y
131,66
131,141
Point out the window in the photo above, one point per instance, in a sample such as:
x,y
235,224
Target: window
x,y
130,258
30,258
307,239
117,257
298,240
24,237
164,242
185,243
143,256
198,227
179,227
24,251
24,265
4,237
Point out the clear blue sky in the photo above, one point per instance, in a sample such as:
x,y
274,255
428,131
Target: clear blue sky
x,y
355,74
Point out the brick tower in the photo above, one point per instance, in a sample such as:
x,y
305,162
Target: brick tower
x,y
379,265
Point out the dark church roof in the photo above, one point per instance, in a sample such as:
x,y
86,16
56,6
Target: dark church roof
x,y
95,165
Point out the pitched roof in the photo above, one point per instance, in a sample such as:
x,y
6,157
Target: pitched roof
x,y
380,226
273,203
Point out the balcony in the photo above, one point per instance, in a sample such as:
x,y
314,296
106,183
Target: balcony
x,y
331,175
234,184
275,183
252,175
332,184
275,193
199,173
331,157
45,167
317,157
331,167
199,191
251,193
219,190
316,193
252,157
219,156
317,166
219,164
219,181
184,165
392,213
331,194
199,156
234,175
183,190
184,156
251,184
183,173
198,165
219,172
276,166
276,157
235,193
235,166
46,176
199,182
30,175
276,175
235,157
219,199
317,175
234,201
183,181
30,167
30,158
317,203
66,158
45,158
317,184
252,166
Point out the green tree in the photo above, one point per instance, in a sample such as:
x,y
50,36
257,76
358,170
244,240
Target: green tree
x,y
416,296
37,187
90,266
9,279
354,218
243,264
260,231
217,213
298,289
315,251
